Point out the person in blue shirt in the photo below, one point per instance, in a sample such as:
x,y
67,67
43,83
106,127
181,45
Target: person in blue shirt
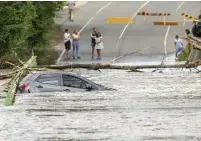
x,y
71,5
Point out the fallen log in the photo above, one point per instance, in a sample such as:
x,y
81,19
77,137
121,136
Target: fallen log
x,y
108,66
194,38
99,66
10,95
129,54
193,41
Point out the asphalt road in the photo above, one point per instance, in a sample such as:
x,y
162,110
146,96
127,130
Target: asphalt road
x,y
120,38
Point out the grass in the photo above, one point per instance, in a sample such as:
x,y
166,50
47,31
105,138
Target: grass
x,y
182,56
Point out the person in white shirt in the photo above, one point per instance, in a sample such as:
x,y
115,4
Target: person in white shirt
x,y
67,43
178,45
99,45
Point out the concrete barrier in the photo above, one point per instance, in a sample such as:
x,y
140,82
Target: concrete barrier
x,y
188,16
119,19
165,22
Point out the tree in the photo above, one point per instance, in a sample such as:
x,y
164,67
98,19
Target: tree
x,y
23,26
15,25
43,21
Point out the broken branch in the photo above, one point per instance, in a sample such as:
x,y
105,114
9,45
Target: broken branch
x,y
117,58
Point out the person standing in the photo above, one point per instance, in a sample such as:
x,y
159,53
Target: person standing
x,y
67,43
93,42
99,45
178,45
76,38
71,5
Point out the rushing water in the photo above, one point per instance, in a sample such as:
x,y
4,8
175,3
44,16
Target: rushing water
x,y
145,107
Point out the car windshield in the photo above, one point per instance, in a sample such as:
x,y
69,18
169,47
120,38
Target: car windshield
x,y
84,78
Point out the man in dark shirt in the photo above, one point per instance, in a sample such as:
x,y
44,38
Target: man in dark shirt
x,y
93,42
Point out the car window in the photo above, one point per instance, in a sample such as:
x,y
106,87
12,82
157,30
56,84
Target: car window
x,y
51,79
72,81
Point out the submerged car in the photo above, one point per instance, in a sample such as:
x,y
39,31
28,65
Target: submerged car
x,y
57,82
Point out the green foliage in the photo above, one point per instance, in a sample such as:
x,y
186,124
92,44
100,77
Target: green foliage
x,y
182,56
199,17
15,25
49,56
43,21
24,26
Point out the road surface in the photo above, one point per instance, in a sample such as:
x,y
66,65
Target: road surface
x,y
123,38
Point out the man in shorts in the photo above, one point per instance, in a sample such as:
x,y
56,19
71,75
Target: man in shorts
x,y
178,46
93,42
67,43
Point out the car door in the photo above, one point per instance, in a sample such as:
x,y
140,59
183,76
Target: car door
x,y
48,83
73,84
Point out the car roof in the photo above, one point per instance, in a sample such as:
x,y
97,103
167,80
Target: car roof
x,y
56,72
62,72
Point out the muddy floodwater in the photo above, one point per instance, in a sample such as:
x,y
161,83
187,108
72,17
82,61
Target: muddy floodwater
x,y
146,107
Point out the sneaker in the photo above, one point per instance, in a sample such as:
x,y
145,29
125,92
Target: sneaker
x,y
73,57
78,57
92,57
68,57
65,58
